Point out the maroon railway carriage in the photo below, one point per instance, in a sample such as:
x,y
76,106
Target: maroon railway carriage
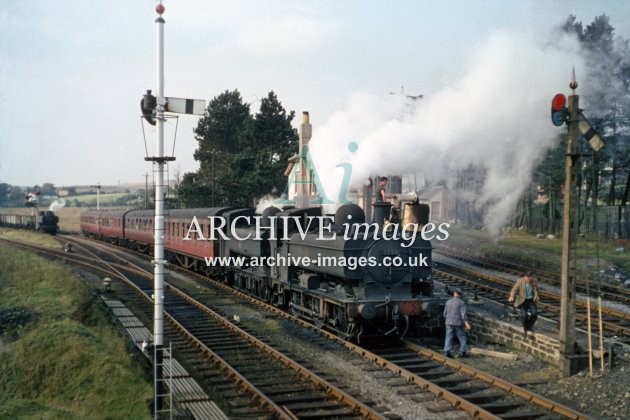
x,y
90,223
108,225
139,232
191,253
135,229
132,228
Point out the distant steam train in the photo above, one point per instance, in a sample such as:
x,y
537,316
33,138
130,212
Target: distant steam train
x,y
353,277
45,221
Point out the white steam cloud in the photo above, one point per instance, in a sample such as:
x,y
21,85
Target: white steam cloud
x,y
264,202
496,116
57,205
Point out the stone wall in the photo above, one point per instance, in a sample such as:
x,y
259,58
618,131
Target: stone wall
x,y
488,330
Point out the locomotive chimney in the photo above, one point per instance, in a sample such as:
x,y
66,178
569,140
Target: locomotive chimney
x,y
381,212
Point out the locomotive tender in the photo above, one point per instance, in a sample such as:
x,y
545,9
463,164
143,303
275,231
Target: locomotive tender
x,y
353,277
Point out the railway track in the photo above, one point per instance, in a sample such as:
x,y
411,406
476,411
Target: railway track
x,y
277,383
487,397
260,372
464,385
593,288
616,322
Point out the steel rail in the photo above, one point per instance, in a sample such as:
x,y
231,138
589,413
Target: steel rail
x,y
606,290
610,326
264,401
226,367
455,400
338,394
305,373
494,381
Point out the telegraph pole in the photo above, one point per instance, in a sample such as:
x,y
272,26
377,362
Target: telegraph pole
x,y
568,364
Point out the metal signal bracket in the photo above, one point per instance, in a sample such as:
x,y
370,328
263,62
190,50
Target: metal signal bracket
x,y
160,159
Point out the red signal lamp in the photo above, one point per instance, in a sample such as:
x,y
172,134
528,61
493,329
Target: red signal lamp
x,y
559,111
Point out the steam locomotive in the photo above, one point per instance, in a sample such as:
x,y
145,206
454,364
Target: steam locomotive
x,y
338,271
45,221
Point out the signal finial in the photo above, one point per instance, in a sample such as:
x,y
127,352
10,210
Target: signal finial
x,y
574,84
160,9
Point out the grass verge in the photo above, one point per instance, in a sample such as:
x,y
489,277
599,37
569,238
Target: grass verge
x,y
60,357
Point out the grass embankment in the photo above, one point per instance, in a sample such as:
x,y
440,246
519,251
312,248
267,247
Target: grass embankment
x,y
523,248
59,355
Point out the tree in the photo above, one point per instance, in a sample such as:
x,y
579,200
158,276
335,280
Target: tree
x,y
48,189
279,141
223,135
608,98
241,157
16,196
194,192
549,179
4,193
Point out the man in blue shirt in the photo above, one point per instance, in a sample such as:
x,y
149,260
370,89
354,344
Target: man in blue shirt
x,y
456,324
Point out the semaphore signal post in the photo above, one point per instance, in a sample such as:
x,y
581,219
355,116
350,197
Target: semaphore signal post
x,y
576,123
153,109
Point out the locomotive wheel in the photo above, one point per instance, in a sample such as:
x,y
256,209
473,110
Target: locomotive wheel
x,y
294,311
267,294
228,279
318,322
345,329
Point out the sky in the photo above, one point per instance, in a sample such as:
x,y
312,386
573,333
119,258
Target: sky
x,y
72,74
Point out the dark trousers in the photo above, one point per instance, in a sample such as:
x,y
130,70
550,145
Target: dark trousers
x,y
451,332
529,314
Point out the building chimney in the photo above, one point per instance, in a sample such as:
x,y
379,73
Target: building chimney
x,y
306,130
303,178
